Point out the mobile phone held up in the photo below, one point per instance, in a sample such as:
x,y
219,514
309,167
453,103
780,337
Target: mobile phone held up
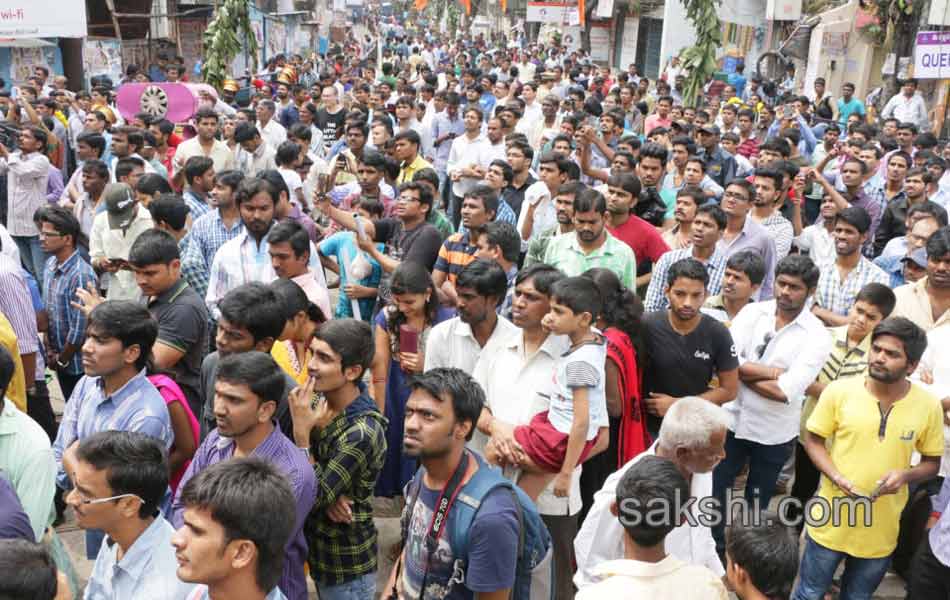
x,y
408,339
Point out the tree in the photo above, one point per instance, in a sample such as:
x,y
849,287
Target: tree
x,y
225,37
699,60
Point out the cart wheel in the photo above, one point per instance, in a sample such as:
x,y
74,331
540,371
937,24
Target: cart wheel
x,y
154,101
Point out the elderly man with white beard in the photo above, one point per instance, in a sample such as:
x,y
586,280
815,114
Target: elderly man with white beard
x,y
693,436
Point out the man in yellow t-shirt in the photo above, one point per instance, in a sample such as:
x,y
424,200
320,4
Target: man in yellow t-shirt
x,y
875,423
16,391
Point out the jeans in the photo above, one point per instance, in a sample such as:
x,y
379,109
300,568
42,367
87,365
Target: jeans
x,y
32,255
858,582
361,588
765,464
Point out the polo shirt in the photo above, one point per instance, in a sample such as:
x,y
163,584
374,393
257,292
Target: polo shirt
x,y
456,253
406,172
844,361
182,318
850,415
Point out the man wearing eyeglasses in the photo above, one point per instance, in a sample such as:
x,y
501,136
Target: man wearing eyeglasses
x,y
781,348
119,479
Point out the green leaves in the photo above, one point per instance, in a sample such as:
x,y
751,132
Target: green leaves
x,y
700,59
225,38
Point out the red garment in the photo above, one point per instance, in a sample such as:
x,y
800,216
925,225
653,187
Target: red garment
x,y
633,438
643,238
545,445
171,393
749,148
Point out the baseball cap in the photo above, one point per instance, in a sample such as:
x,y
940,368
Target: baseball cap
x,y
918,256
711,128
120,205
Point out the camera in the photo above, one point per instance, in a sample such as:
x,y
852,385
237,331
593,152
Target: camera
x,y
9,135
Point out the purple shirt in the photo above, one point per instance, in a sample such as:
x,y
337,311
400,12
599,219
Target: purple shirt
x,y
54,187
753,237
290,459
940,534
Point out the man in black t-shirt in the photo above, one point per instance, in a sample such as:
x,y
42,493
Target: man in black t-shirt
x,y
181,313
330,118
407,237
688,349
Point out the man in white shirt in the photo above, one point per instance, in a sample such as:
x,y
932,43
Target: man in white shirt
x,y
537,211
27,171
782,347
463,341
692,435
204,144
272,131
647,502
908,106
257,155
512,376
468,158
113,233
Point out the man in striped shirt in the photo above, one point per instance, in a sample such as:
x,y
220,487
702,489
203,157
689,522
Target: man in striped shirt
x,y
479,208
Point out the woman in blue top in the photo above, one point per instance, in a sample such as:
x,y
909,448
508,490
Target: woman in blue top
x,y
401,331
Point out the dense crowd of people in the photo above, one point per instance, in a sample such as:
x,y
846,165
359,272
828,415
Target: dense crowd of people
x,y
526,298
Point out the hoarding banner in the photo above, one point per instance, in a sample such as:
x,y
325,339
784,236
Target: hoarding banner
x,y
932,55
43,19
552,12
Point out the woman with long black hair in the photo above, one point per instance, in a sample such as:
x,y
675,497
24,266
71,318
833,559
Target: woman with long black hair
x,y
401,331
620,324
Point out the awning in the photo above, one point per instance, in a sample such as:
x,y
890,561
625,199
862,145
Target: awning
x,y
25,43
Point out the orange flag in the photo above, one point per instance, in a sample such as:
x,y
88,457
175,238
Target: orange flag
x,y
504,5
468,6
420,5
581,9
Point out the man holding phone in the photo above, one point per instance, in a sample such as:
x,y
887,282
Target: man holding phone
x,y
113,233
869,458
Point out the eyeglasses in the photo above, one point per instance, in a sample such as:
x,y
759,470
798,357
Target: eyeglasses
x,y
87,501
736,196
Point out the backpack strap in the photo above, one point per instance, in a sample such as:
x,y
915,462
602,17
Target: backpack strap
x,y
482,483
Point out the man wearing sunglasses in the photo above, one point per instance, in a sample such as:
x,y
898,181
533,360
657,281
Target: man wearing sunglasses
x,y
781,346
119,478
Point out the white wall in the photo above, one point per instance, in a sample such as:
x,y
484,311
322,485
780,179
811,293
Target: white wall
x,y
678,32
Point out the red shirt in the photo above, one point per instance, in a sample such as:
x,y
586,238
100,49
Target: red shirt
x,y
643,238
748,148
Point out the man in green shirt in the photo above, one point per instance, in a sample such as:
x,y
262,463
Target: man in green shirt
x,y
590,245
26,457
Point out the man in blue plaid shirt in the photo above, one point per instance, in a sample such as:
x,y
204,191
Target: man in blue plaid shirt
x,y
66,272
